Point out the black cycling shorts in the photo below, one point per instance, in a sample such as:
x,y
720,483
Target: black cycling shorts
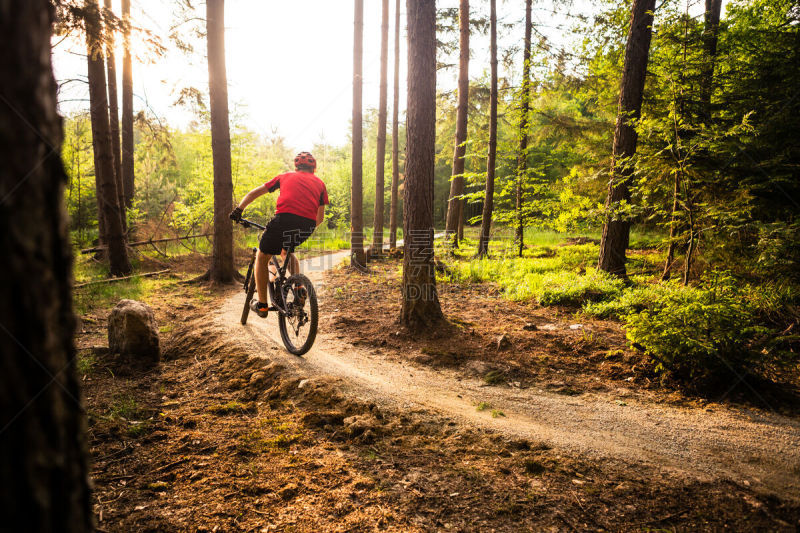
x,y
286,231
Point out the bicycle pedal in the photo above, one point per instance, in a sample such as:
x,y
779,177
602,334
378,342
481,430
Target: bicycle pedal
x,y
273,308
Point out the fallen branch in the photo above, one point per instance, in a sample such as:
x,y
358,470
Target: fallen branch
x,y
111,280
147,242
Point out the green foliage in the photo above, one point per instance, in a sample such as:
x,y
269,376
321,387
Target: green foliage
x,y
124,406
704,333
696,333
558,275
85,362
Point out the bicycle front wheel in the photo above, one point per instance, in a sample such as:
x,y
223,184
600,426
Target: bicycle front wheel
x,y
299,327
250,283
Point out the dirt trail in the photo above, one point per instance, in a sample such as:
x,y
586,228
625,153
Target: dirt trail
x,y
749,447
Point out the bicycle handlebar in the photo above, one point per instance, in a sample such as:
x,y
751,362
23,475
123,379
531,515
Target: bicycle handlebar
x,y
247,223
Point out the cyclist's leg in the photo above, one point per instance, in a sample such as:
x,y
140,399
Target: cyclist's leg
x,y
270,244
262,276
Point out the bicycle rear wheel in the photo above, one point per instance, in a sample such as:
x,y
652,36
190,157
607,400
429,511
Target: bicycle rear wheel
x,y
299,327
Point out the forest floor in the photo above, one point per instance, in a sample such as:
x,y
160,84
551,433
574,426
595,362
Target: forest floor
x,y
375,430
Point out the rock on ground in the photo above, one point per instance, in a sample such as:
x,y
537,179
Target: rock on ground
x,y
132,331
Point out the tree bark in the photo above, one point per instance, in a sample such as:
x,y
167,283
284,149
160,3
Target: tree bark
x,y
43,449
395,131
460,150
616,230
113,114
127,108
108,199
357,258
522,161
673,226
460,233
710,37
488,200
421,307
377,225
222,270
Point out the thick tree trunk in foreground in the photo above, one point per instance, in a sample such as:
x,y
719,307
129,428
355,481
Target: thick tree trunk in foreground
x,y
377,225
222,270
127,108
113,114
108,199
616,231
43,451
522,161
395,131
357,256
488,200
454,204
420,300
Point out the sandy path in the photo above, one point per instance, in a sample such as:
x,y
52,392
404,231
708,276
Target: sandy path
x,y
750,447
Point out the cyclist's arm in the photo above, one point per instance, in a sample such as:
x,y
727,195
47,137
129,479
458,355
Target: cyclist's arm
x,y
320,214
252,195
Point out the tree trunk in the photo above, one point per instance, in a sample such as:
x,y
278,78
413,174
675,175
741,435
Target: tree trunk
x,y
43,449
113,114
395,131
127,108
673,227
692,245
109,209
460,233
457,180
377,225
710,36
222,270
616,230
357,258
420,300
488,200
522,162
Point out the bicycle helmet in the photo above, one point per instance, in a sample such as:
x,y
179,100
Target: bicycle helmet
x,y
305,160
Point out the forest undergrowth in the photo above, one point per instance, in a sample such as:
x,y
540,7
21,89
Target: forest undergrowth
x,y
218,437
702,334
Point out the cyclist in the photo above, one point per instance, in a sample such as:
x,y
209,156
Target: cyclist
x,y
299,210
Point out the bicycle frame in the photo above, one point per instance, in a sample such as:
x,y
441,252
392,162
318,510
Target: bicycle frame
x,y
281,269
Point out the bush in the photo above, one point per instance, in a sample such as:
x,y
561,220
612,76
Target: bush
x,y
700,334
569,288
634,299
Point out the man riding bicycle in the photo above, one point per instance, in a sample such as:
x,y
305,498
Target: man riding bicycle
x,y
299,210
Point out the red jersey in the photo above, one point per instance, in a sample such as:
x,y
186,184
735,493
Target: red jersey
x,y
301,193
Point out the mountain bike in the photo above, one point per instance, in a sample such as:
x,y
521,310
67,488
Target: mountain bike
x,y
297,317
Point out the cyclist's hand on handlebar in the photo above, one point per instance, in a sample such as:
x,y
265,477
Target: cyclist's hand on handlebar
x,y
236,215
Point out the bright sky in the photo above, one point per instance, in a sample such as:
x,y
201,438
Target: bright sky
x,y
289,64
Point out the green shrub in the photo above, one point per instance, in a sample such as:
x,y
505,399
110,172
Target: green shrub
x,y
569,288
700,333
633,299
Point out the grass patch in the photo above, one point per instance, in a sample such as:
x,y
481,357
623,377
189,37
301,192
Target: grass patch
x,y
562,279
482,406
494,377
85,362
124,406
231,408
